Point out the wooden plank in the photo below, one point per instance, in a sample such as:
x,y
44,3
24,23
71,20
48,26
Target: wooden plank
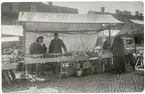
x,y
49,60
9,66
68,58
44,60
81,58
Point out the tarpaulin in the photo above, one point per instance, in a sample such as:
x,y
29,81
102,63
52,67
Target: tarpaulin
x,y
73,42
138,21
131,27
50,22
12,30
9,39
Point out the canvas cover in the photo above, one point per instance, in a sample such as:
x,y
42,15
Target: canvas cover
x,y
63,22
12,30
9,39
73,42
131,27
45,24
141,22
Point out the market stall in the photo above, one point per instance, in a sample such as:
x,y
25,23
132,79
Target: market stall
x,y
10,38
80,29
129,32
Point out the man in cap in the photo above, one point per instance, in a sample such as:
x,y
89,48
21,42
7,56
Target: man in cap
x,y
56,44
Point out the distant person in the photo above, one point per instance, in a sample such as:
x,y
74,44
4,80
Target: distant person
x,y
56,45
38,47
118,55
106,47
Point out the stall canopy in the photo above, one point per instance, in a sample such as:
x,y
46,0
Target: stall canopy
x,y
138,22
10,39
60,22
11,35
135,26
74,29
11,30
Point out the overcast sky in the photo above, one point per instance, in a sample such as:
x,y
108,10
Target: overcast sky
x,y
84,7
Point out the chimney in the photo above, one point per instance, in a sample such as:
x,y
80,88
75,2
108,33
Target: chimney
x,y
103,9
117,11
137,13
50,3
140,14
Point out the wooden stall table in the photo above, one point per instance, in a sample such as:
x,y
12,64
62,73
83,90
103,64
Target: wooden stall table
x,y
28,61
60,59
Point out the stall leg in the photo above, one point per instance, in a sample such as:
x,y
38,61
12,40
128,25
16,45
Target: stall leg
x,y
12,74
6,76
63,69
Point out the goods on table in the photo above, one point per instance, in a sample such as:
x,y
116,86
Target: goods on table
x,y
35,56
8,59
92,54
51,55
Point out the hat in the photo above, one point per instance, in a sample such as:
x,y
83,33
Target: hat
x,y
55,34
40,37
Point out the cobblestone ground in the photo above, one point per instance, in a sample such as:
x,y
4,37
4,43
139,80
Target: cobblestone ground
x,y
107,82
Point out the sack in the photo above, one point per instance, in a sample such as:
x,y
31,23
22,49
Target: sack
x,y
128,68
99,69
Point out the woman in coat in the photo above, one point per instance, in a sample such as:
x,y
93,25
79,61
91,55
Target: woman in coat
x,y
118,55
38,47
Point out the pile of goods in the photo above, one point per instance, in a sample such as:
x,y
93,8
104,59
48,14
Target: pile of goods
x,y
92,54
53,55
7,59
35,56
81,54
9,62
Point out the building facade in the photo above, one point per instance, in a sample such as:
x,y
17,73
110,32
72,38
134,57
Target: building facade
x,y
10,10
123,16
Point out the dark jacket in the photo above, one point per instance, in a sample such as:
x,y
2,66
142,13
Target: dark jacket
x,y
55,46
106,45
117,48
36,48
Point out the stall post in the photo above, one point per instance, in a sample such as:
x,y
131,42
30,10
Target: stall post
x,y
24,47
132,33
109,34
24,40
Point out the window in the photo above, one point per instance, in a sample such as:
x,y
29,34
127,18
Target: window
x,y
33,8
15,7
